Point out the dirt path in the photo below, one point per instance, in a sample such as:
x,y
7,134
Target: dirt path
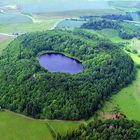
x,y
32,18
30,118
7,34
55,25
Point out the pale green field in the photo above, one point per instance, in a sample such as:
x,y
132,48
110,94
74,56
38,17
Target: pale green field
x,y
4,41
28,27
111,34
135,43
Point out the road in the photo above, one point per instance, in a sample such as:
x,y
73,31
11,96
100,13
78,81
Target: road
x,y
7,34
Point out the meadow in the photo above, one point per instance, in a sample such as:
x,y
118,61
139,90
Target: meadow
x,y
20,128
11,18
4,41
27,27
17,127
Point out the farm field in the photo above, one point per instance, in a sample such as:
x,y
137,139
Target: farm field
x,y
4,41
111,34
11,18
27,27
126,101
21,128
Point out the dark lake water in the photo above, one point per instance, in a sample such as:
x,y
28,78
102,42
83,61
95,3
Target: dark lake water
x,y
55,62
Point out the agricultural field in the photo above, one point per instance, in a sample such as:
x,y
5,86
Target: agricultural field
x,y
111,34
11,18
28,27
23,128
4,41
20,128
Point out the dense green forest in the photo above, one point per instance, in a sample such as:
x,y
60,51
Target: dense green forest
x,y
125,30
107,130
118,17
28,88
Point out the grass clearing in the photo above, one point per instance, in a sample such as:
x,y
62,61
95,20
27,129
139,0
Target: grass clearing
x,y
135,58
14,127
62,127
4,41
111,34
135,43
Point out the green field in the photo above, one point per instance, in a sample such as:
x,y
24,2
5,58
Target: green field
x,y
14,127
4,41
111,34
27,27
126,101
18,127
9,18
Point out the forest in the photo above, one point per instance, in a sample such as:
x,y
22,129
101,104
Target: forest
x,y
106,130
118,17
28,88
125,30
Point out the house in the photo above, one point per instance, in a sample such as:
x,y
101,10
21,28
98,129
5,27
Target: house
x,y
118,116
